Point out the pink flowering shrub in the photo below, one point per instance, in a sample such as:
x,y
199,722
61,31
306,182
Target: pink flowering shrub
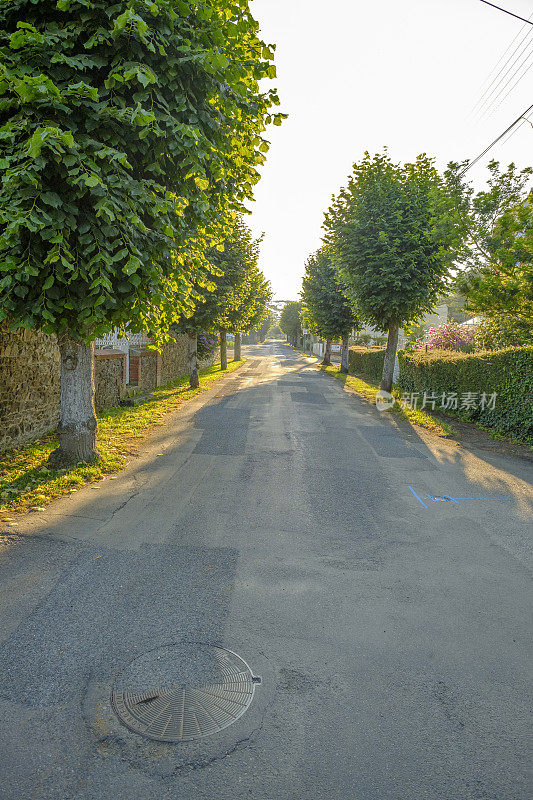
x,y
450,336
207,344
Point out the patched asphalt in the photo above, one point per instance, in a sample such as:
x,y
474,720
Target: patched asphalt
x,y
284,519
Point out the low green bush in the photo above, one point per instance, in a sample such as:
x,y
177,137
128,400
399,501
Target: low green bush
x,y
367,361
508,373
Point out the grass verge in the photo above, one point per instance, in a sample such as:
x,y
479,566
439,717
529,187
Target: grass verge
x,y
368,391
27,484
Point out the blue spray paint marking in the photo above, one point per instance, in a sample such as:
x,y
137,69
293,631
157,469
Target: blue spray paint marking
x,y
446,498
417,497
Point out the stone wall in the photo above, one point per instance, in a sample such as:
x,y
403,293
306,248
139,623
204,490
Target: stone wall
x,y
148,370
209,361
109,378
30,380
174,359
152,369
29,385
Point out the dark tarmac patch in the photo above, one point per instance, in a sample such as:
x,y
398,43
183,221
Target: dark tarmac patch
x,y
387,443
308,397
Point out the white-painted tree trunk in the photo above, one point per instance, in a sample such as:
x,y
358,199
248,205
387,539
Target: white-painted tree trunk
x,y
345,355
237,347
327,354
77,425
223,351
390,358
192,348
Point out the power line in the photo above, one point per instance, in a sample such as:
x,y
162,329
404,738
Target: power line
x,y
488,88
506,12
491,145
515,130
520,68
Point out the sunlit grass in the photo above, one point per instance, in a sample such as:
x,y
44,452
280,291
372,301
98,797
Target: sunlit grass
x,y
25,481
368,391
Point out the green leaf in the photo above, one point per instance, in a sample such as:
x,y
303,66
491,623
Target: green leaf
x,y
92,180
51,199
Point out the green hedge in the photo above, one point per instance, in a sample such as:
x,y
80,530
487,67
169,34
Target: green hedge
x,y
368,362
507,372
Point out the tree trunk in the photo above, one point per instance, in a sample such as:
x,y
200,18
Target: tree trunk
x,y
390,358
237,347
223,351
192,352
327,354
77,424
345,355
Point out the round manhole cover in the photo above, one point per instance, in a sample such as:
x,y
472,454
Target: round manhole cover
x,y
183,691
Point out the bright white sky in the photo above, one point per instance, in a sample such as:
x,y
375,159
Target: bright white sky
x,y
356,75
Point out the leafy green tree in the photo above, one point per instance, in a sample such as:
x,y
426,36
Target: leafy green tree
x,y
393,233
263,329
237,293
260,332
247,306
290,321
328,312
129,134
456,307
504,286
246,302
481,212
229,263
497,258
275,331
495,333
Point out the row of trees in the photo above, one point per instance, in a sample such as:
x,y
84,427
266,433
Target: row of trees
x,y
130,136
238,297
399,237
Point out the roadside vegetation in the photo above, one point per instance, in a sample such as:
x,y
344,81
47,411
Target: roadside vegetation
x,y
368,392
398,241
26,481
124,169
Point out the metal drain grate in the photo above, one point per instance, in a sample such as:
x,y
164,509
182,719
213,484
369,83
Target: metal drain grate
x,y
182,692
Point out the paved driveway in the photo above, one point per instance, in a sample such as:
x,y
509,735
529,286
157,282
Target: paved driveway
x,y
287,521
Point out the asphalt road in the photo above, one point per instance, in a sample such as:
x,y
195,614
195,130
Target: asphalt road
x,y
273,517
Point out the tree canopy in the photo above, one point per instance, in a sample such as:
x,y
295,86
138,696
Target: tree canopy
x,y
249,303
238,292
130,133
496,268
503,287
391,232
327,310
290,320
